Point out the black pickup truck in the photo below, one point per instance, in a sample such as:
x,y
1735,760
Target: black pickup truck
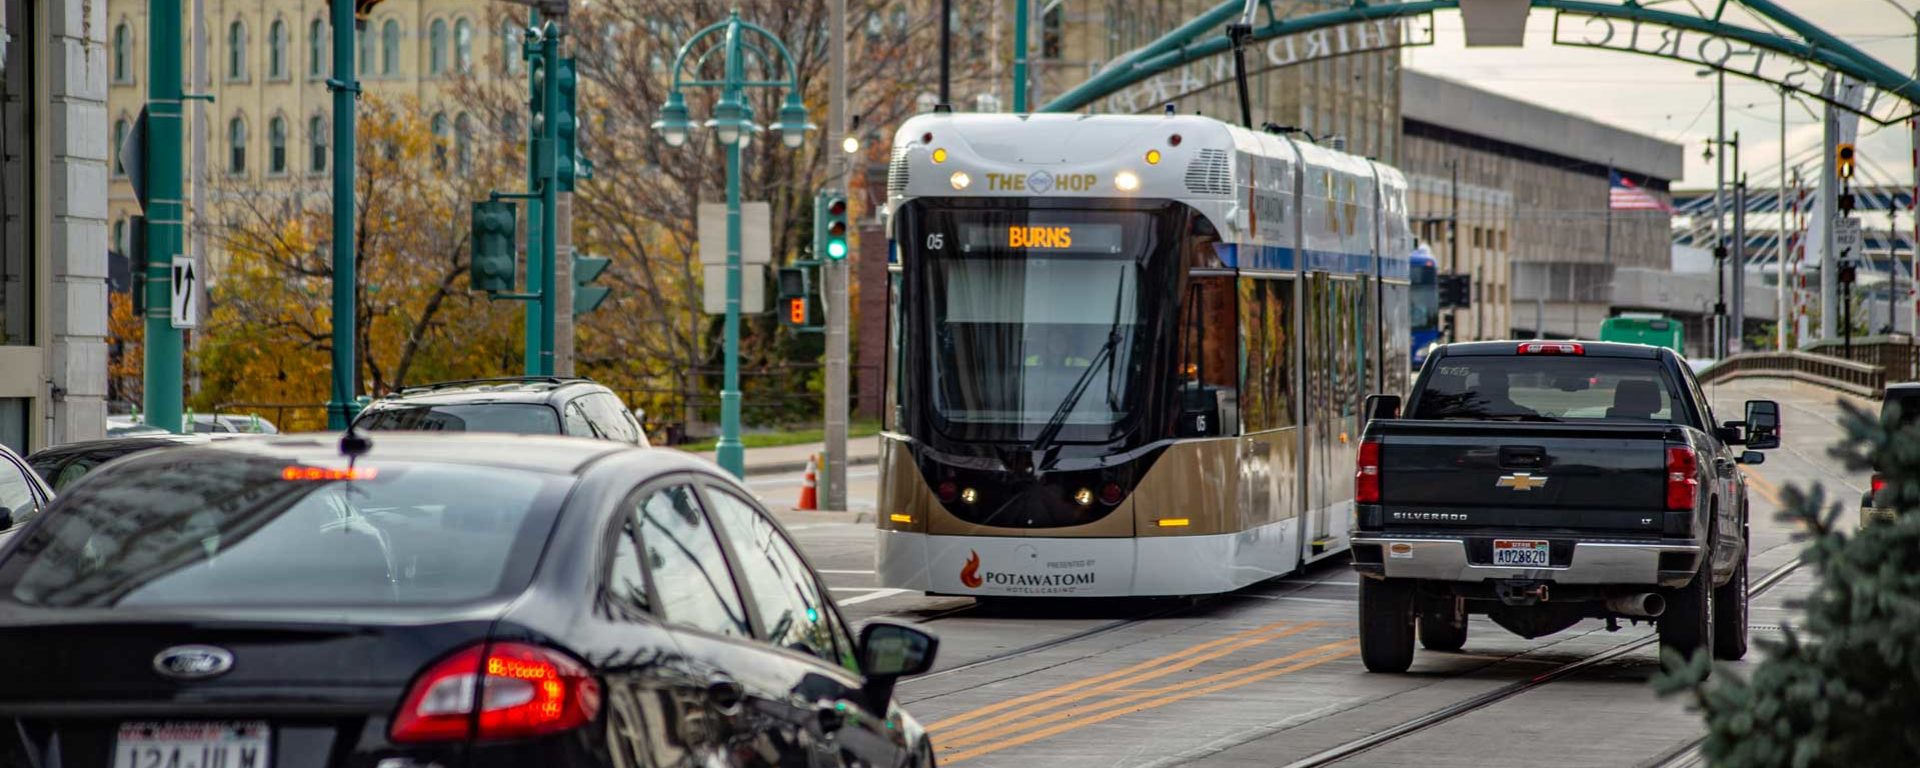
x,y
1542,483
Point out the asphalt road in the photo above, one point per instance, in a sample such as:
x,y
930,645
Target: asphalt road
x,y
1270,674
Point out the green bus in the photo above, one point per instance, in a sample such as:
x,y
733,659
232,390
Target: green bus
x,y
1639,328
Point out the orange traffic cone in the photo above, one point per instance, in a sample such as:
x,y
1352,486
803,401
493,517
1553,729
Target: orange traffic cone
x,y
809,499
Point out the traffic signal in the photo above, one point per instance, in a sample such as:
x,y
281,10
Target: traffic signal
x,y
1456,290
1846,273
830,225
493,254
567,122
1843,160
137,261
587,296
796,297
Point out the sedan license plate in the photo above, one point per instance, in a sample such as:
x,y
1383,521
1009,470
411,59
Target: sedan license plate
x,y
1523,553
192,745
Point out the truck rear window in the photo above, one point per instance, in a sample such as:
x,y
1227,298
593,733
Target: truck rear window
x,y
1548,388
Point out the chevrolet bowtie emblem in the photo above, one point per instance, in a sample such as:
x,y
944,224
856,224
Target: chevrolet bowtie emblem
x,y
1521,481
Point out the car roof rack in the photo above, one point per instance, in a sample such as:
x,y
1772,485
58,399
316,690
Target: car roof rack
x,y
440,385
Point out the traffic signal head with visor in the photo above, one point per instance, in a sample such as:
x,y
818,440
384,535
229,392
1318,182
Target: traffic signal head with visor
x,y
493,256
1843,160
831,223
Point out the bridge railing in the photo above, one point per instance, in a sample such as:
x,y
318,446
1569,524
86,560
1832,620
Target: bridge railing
x,y
1858,378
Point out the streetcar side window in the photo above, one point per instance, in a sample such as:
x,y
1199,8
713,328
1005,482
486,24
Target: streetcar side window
x,y
1266,322
1209,351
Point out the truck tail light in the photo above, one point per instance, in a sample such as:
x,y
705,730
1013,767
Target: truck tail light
x,y
1551,348
523,690
1879,482
1683,478
1366,475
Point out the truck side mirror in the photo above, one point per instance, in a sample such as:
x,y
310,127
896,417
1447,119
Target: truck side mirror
x,y
1381,407
1763,425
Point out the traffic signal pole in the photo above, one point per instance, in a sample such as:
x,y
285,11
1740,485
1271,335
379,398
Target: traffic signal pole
x,y
162,367
549,188
340,405
836,269
535,265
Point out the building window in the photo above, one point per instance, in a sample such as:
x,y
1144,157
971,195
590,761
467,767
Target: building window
x,y
463,142
317,138
120,236
316,49
119,143
442,135
277,50
367,44
390,48
237,51
123,53
437,47
237,147
277,145
463,46
509,47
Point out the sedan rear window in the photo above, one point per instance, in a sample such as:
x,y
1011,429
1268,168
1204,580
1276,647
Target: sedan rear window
x,y
256,531
511,418
1549,388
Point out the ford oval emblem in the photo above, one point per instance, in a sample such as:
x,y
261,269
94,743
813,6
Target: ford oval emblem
x,y
193,662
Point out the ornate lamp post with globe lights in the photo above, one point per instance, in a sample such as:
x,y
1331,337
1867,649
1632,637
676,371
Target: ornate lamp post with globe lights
x,y
732,123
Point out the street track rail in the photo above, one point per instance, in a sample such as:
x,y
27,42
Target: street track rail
x,y
1482,701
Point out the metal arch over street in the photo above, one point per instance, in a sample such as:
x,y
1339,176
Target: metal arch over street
x,y
1202,38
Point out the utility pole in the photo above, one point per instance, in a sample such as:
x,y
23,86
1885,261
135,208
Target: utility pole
x,y
1780,240
1453,245
1829,216
162,369
1737,262
1020,10
346,90
839,308
203,84
1720,208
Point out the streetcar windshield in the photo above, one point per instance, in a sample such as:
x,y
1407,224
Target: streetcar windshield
x,y
1424,304
1034,321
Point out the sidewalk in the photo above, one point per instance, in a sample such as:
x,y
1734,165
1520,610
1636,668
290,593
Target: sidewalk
x,y
861,451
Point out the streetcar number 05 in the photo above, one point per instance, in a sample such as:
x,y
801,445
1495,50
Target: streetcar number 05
x,y
936,241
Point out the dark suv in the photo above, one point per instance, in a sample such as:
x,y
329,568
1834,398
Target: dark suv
x,y
528,406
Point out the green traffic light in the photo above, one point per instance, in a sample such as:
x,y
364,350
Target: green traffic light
x,y
836,249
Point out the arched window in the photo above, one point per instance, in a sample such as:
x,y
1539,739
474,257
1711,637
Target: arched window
x,y
277,50
317,135
317,49
122,53
277,145
367,44
463,142
237,50
463,46
237,147
509,47
120,236
442,135
437,47
119,141
390,48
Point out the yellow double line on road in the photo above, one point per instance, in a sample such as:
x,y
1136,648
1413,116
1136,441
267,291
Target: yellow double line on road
x,y
1763,486
1020,720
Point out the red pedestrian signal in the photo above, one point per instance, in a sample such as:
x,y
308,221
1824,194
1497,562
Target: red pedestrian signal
x,y
797,310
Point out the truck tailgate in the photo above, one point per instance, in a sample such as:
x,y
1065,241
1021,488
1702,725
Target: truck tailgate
x,y
1514,474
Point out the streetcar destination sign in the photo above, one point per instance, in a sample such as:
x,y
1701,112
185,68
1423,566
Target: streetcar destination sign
x,y
1045,236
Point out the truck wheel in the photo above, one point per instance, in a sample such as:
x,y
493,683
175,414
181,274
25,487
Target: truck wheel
x,y
1687,624
1730,614
1386,625
1443,626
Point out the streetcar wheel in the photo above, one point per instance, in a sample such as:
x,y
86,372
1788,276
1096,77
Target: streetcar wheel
x,y
1730,614
1386,625
1443,626
1687,624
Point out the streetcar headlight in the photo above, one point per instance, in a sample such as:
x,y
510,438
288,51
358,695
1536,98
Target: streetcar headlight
x,y
1083,497
1126,181
960,180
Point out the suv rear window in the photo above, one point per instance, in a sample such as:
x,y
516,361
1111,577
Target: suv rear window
x,y
1548,388
221,530
512,418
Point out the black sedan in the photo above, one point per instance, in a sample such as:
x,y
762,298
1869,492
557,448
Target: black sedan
x,y
417,600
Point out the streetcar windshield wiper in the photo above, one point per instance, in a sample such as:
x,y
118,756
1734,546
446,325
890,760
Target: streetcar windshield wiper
x,y
1052,428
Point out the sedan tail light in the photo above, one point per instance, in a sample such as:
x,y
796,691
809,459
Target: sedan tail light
x,y
1366,476
521,690
1683,478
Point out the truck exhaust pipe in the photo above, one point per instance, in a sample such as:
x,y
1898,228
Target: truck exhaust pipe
x,y
1646,605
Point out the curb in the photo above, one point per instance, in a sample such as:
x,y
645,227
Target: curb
x,y
801,466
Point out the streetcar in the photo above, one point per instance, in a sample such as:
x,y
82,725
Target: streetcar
x,y
1127,355
1423,307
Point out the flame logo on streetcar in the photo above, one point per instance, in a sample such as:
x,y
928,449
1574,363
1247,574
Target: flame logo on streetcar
x,y
970,575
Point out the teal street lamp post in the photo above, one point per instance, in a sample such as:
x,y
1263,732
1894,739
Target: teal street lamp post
x,y
732,123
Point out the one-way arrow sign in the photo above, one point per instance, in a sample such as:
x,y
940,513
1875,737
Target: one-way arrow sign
x,y
186,293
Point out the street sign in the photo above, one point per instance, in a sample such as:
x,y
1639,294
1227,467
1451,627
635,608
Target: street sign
x,y
186,292
756,233
753,289
1846,237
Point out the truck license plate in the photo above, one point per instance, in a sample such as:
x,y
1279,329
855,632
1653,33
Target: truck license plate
x,y
192,745
1524,553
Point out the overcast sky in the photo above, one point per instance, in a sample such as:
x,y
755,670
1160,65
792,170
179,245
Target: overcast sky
x,y
1666,99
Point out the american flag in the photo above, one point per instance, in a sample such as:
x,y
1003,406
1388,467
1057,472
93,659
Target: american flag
x,y
1624,195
